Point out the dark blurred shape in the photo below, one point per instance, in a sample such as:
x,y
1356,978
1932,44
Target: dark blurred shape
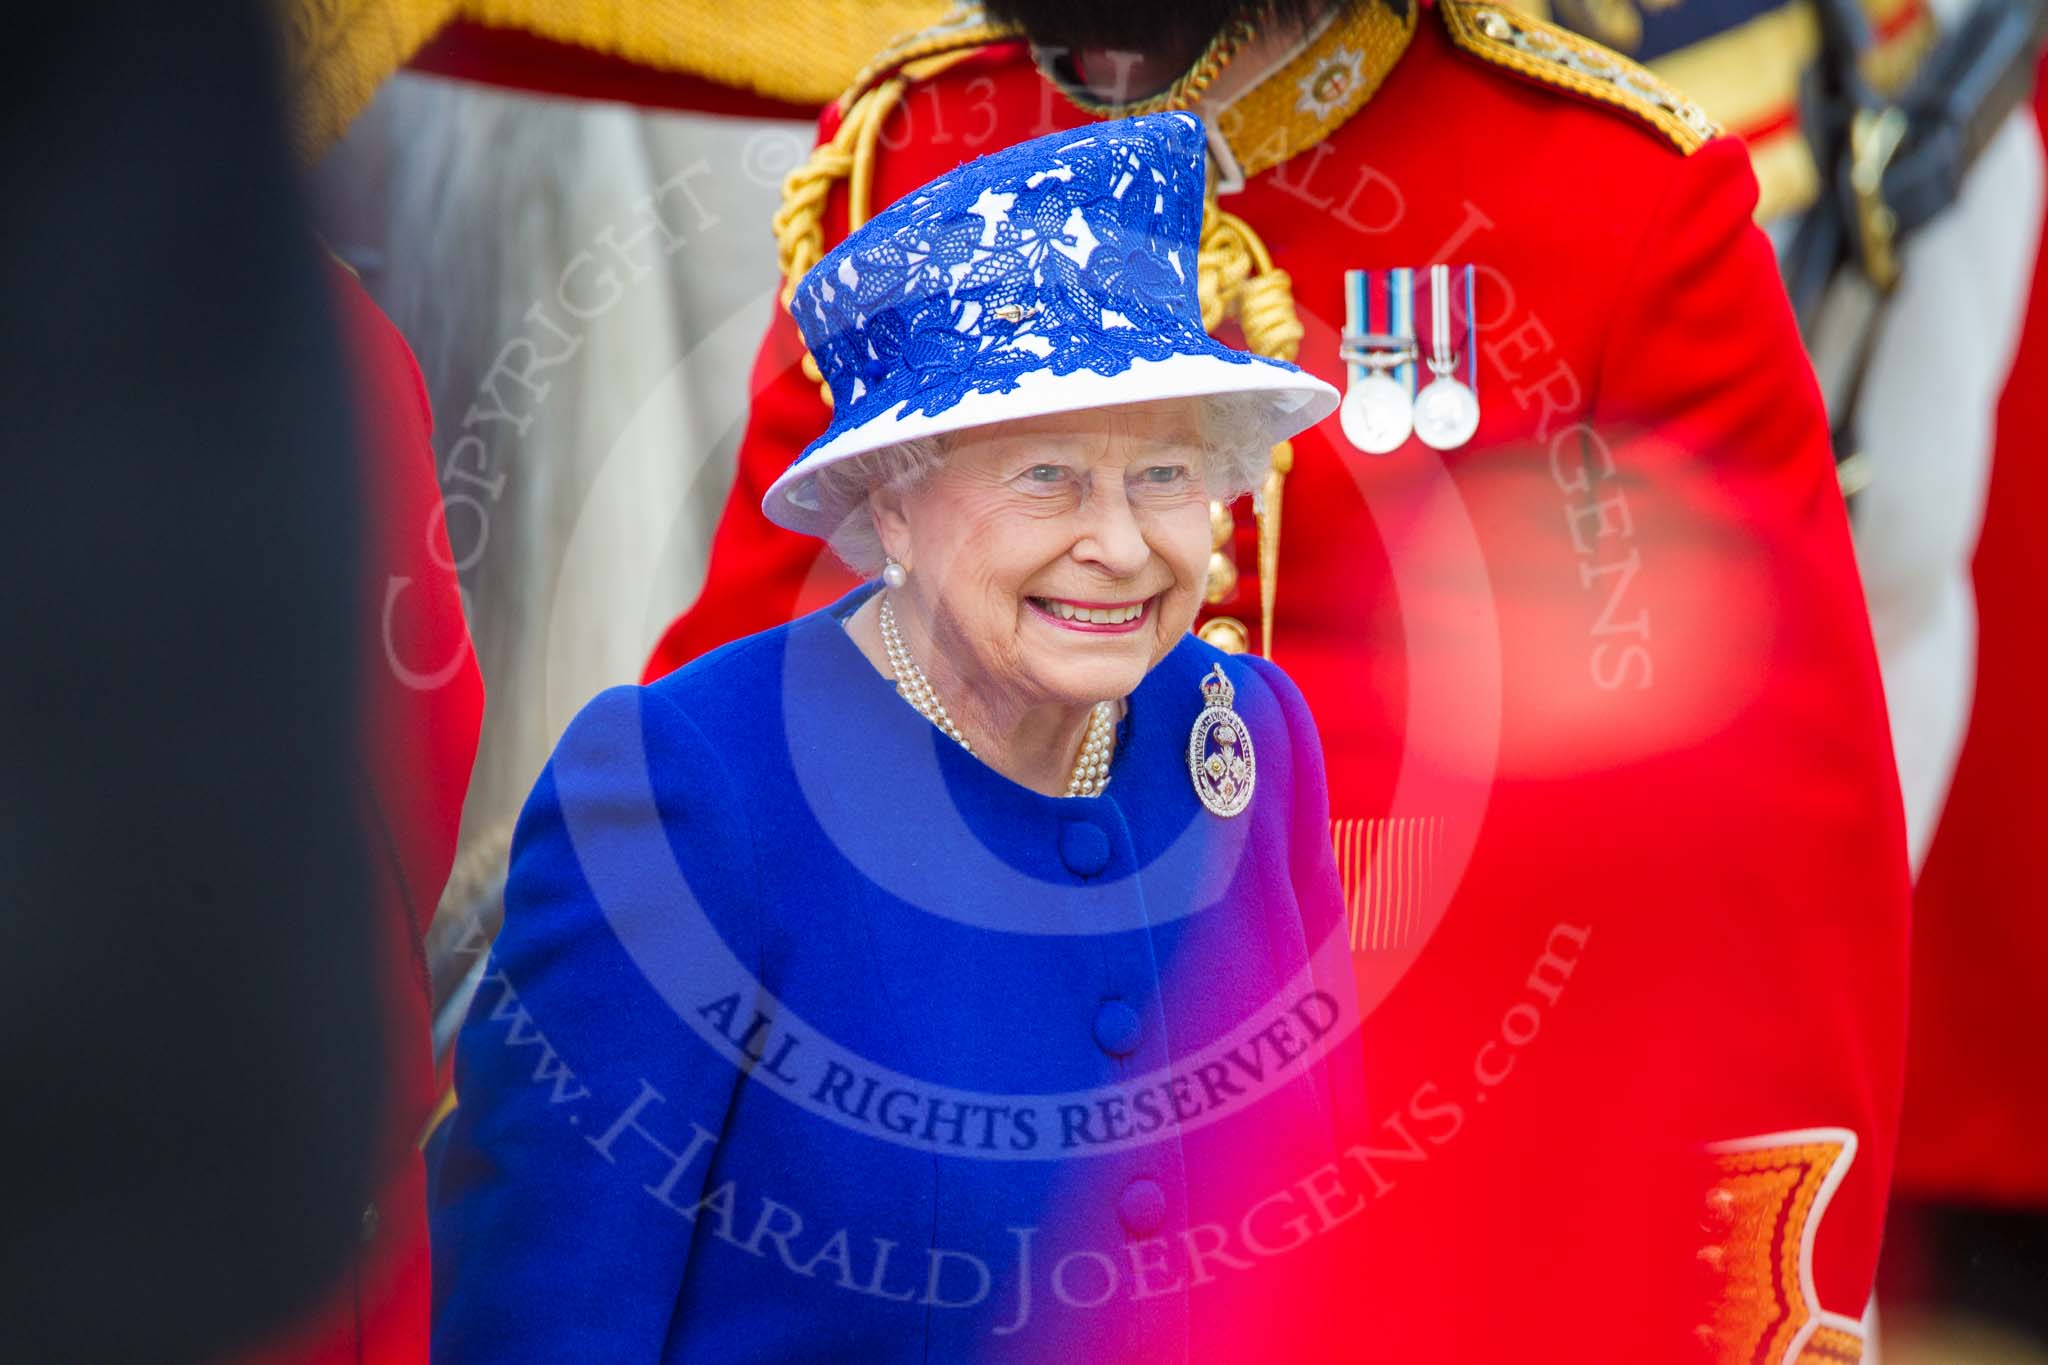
x,y
190,1036
1968,1263
422,705
1182,25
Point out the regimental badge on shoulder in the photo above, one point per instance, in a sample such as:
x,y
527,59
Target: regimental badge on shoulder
x,y
1384,351
1557,57
1220,750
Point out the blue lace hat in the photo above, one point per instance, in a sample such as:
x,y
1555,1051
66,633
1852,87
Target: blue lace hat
x,y
1052,276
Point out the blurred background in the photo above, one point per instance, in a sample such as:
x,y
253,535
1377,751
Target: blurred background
x,y
471,156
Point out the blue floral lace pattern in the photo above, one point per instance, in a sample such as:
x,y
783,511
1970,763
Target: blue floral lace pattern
x,y
1070,252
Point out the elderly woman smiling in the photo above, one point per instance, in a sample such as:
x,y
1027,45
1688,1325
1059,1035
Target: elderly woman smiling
x,y
956,972
1057,559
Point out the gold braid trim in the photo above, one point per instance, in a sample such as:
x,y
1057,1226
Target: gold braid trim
x,y
1757,1212
849,154
1290,108
443,1107
1298,105
1237,281
1557,57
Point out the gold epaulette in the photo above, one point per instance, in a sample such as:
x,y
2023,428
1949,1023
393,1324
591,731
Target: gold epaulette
x,y
1557,57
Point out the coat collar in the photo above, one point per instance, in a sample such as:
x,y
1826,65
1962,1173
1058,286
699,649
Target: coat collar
x,y
1151,740
1292,97
897,796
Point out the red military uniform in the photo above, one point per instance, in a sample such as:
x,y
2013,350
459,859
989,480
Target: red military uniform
x,y
422,708
1610,781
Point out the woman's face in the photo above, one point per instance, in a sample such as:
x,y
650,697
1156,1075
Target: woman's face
x,y
1055,560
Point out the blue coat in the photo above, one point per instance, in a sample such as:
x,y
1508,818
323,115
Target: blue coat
x,y
808,1036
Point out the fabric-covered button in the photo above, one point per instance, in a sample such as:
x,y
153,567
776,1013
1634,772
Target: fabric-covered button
x,y
1117,1028
1084,848
1142,1206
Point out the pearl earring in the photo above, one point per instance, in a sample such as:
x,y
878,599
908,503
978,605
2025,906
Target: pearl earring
x,y
894,574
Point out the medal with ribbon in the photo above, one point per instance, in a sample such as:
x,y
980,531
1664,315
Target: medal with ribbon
x,y
1447,409
1378,412
1382,352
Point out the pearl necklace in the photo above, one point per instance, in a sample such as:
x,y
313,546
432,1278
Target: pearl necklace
x,y
1091,769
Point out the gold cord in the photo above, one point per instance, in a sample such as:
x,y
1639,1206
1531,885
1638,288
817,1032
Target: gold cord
x,y
849,155
799,224
1237,281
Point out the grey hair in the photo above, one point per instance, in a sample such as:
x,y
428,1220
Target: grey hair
x,y
1234,429
901,468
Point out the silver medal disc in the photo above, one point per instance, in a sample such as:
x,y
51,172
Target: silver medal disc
x,y
1446,414
1377,415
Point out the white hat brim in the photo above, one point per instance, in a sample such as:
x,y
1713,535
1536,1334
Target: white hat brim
x,y
1296,401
